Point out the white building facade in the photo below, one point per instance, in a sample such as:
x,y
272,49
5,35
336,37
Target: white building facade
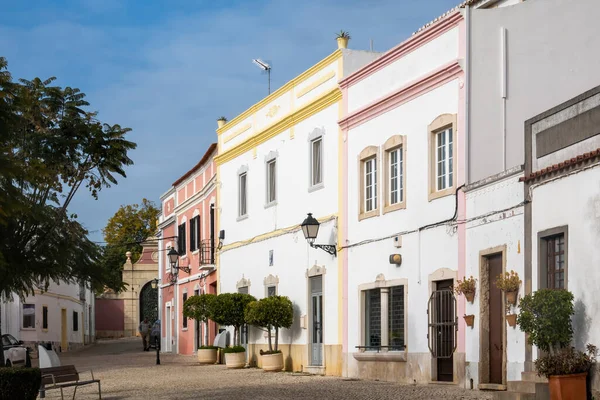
x,y
63,315
277,162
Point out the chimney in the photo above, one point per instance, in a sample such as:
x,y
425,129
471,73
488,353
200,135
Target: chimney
x,y
221,122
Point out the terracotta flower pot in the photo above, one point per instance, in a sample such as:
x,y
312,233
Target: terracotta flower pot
x,y
511,297
512,320
272,362
469,319
563,387
235,360
342,43
470,297
207,356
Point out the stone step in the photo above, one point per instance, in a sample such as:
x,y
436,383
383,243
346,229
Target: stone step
x,y
533,377
514,396
520,386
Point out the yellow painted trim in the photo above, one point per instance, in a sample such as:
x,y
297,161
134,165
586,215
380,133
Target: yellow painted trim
x,y
279,92
237,133
328,99
341,221
218,223
272,234
292,132
57,296
315,84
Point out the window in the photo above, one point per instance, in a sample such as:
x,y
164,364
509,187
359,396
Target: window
x,y
443,159
316,162
370,184
28,316
195,233
243,195
183,318
383,327
394,173
181,245
75,321
271,181
271,291
442,143
554,261
45,317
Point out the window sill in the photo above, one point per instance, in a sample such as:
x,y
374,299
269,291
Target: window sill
x,y
393,356
44,330
241,218
28,329
195,252
184,329
370,214
394,207
183,257
271,204
441,193
316,187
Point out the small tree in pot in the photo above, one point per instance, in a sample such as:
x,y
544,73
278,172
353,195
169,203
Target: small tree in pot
x,y
271,312
545,316
228,309
200,308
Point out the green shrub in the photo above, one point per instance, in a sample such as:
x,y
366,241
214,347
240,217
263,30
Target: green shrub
x,y
546,316
19,383
567,361
207,348
228,309
200,307
234,349
271,312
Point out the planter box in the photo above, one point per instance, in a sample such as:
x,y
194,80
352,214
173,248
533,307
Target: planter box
x,y
512,320
469,319
470,297
511,297
272,362
235,360
207,356
563,387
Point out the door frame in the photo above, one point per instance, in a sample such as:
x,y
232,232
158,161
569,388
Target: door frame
x,y
442,274
315,271
168,327
484,320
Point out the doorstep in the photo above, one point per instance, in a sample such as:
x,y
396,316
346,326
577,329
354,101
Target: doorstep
x,y
491,386
314,369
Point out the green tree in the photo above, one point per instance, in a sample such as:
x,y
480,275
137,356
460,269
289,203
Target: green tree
x,y
271,312
229,309
50,147
200,308
125,231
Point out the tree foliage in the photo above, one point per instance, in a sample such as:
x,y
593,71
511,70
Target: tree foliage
x,y
228,310
50,147
125,231
200,308
546,316
271,312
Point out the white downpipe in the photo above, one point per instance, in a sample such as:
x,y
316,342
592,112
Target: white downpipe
x,y
467,90
503,85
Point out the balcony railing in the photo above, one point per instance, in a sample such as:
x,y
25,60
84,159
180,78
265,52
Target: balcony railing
x,y
207,252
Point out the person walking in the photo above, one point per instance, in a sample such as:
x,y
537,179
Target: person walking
x,y
144,330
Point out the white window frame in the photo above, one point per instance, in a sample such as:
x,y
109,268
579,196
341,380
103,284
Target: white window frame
x,y
30,306
442,126
271,176
371,164
316,136
399,178
243,195
446,176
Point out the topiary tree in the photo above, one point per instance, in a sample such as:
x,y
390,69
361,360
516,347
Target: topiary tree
x,y
545,316
228,309
271,312
200,308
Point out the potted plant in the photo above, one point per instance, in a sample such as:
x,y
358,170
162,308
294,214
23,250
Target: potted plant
x,y
221,122
511,319
272,312
342,39
469,319
467,287
228,309
200,308
546,317
509,283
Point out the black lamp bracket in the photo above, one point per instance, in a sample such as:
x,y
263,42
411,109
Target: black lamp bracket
x,y
326,247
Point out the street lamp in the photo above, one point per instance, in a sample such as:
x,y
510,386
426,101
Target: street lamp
x,y
154,285
310,229
174,260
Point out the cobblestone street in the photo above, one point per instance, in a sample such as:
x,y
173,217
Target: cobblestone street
x,y
128,373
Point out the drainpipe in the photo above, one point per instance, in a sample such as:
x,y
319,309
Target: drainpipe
x,y
503,92
467,90
212,234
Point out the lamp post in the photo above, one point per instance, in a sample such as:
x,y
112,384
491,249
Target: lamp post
x,y
174,261
154,285
310,229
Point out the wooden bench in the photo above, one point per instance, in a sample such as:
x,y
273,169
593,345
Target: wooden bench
x,y
64,377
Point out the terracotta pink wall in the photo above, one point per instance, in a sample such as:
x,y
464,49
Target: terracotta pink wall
x,y
110,315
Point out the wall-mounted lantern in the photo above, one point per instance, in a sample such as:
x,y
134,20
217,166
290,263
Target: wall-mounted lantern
x,y
310,229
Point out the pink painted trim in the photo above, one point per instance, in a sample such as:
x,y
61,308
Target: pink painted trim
x,y
437,29
405,94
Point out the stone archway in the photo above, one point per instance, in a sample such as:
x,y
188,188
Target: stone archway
x,y
148,303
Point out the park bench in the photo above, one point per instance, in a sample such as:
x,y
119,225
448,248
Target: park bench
x,y
63,377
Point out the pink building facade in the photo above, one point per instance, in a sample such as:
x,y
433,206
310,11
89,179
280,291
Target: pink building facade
x,y
188,225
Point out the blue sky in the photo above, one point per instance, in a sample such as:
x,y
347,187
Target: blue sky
x,y
169,69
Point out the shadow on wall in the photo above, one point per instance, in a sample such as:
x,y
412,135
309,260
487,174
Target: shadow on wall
x,y
291,335
581,324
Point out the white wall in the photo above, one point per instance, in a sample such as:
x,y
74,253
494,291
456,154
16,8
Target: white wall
x,y
573,201
489,229
423,253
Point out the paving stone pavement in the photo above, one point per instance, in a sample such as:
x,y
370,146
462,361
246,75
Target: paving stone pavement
x,y
127,372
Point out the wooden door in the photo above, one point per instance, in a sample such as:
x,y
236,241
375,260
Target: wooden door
x,y
445,312
64,344
496,312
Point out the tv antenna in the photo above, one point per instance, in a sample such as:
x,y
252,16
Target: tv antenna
x,y
265,67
